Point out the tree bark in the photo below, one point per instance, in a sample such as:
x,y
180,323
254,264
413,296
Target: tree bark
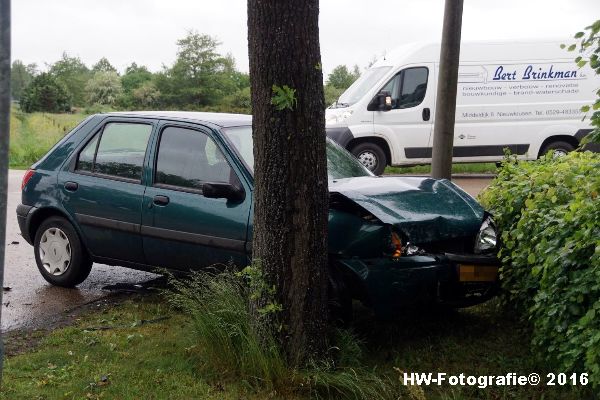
x,y
445,113
290,168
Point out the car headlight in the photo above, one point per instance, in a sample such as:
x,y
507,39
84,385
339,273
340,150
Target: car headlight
x,y
486,238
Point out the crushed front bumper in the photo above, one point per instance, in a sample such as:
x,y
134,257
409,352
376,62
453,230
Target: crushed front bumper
x,y
457,280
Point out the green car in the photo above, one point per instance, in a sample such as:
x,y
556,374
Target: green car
x,y
175,189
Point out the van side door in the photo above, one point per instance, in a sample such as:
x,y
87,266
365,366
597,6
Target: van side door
x,y
408,125
181,228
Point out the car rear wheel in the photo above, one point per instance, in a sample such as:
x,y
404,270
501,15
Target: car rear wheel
x,y
557,149
371,156
59,253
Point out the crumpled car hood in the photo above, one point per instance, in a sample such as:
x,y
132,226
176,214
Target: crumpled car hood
x,y
425,209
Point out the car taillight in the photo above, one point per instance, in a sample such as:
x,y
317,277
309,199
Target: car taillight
x,y
26,178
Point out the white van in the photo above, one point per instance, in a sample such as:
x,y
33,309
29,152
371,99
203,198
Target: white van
x,y
526,97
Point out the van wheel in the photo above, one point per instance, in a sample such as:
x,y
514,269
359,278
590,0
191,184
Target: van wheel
x,y
557,149
59,253
371,156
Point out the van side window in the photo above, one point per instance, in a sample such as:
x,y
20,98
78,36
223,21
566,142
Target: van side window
x,y
187,158
408,87
120,153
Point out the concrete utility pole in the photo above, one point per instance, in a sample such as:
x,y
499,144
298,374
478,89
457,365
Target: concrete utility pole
x,y
445,110
4,136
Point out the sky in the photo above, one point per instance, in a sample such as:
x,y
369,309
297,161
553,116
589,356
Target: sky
x,y
351,31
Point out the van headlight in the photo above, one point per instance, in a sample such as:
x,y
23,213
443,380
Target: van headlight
x,y
336,118
486,239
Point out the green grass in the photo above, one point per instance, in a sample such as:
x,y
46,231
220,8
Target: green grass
x,y
163,359
32,135
457,168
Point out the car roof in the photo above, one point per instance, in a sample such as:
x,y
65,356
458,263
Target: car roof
x,y
223,120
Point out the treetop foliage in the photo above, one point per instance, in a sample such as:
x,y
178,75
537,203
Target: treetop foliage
x,y
201,78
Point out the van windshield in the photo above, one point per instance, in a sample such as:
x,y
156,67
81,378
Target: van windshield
x,y
358,89
340,163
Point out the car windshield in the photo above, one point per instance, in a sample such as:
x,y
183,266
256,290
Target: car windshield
x,y
340,163
358,89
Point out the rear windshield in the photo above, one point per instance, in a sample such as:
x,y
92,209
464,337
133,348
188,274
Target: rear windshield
x,y
340,163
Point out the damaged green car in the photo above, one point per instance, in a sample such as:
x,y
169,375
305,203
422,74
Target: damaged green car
x,y
175,189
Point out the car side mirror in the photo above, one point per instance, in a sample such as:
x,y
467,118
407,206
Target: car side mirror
x,y
381,102
218,190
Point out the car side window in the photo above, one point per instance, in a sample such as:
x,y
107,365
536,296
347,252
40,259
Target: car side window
x,y
187,158
408,87
120,152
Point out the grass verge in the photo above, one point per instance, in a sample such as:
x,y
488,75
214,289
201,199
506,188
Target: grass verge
x,y
130,351
466,168
32,135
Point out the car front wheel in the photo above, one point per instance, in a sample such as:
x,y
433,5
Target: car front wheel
x,y
59,253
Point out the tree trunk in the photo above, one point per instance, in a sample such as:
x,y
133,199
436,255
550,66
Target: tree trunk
x,y
445,113
290,167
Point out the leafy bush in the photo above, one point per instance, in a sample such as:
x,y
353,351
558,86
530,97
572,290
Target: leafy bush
x,y
589,49
234,342
549,213
47,94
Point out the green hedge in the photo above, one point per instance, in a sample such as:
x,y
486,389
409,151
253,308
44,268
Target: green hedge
x,y
549,215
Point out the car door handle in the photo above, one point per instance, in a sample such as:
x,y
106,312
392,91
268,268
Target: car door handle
x,y
71,186
160,200
426,114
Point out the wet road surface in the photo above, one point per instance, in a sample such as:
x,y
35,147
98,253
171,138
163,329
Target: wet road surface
x,y
31,302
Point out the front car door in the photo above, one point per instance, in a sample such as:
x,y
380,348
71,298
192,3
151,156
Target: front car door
x,y
180,227
102,188
408,124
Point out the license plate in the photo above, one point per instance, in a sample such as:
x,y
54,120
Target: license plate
x,y
477,273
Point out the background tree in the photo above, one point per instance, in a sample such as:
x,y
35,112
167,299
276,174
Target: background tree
x,y
103,65
338,81
342,78
45,93
290,170
104,88
21,75
146,96
73,74
197,78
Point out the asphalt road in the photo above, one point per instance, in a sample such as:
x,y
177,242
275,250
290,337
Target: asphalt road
x,y
30,302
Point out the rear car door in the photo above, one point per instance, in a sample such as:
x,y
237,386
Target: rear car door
x,y
180,227
102,188
409,123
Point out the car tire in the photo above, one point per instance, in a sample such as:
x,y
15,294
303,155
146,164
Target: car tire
x,y
558,148
59,254
371,156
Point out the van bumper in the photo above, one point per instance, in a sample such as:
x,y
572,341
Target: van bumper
x,y
341,135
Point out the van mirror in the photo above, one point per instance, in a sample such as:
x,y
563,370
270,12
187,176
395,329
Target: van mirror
x,y
381,102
